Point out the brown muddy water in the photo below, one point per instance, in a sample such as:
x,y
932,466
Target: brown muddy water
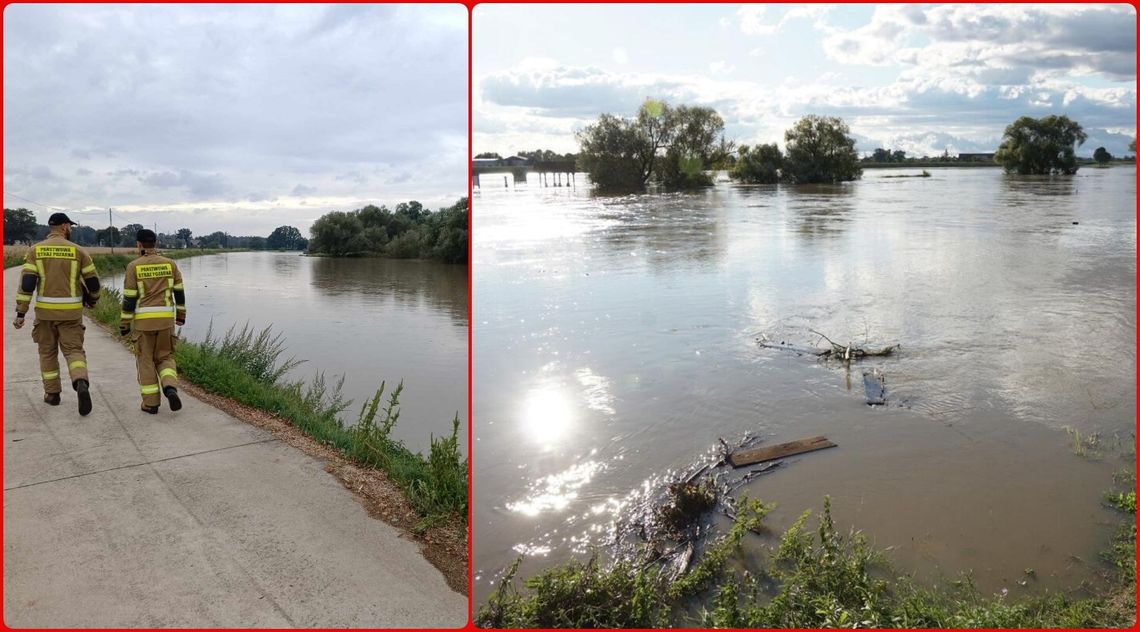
x,y
615,339
366,319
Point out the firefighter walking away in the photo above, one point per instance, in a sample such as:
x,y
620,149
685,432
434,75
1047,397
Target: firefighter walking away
x,y
62,276
154,301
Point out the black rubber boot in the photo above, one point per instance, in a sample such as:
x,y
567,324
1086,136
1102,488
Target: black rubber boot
x,y
51,399
81,387
153,410
172,396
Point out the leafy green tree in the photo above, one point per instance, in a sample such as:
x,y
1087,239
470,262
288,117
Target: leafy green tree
x,y
758,165
820,149
1132,146
19,225
216,239
334,232
185,234
489,154
1041,146
285,238
611,153
881,155
1101,155
673,145
83,235
410,232
127,235
108,236
697,143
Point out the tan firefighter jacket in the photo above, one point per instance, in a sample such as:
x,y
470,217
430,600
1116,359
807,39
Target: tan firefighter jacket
x,y
61,274
152,293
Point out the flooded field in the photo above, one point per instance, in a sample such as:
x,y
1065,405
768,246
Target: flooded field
x,y
616,339
366,319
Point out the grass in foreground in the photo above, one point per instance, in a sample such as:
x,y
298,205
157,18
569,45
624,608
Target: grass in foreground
x,y
812,580
247,366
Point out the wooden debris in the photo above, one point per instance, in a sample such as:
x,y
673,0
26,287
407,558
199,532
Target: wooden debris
x,y
757,455
875,386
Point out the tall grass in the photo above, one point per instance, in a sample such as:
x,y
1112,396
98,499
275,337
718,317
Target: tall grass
x,y
813,579
106,263
248,366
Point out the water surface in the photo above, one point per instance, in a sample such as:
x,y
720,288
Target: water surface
x,y
366,319
615,339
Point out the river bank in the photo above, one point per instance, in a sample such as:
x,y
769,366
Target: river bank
x,y
106,260
828,579
426,498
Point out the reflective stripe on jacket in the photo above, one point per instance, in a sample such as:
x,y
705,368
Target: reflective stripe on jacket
x,y
152,293
56,270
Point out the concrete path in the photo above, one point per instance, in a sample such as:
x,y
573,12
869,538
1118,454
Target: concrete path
x,y
188,519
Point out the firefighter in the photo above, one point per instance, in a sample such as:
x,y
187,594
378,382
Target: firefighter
x,y
153,299
63,277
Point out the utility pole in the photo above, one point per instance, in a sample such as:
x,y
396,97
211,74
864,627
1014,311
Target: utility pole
x,y
110,233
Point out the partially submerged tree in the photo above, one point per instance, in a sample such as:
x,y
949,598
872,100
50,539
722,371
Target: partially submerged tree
x,y
1041,146
758,165
820,149
1102,156
286,238
673,145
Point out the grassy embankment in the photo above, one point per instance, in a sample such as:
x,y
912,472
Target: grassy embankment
x,y
246,366
105,261
824,579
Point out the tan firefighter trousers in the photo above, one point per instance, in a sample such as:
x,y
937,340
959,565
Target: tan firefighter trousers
x,y
154,356
54,336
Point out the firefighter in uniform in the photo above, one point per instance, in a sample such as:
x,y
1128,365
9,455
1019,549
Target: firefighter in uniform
x,y
63,277
153,299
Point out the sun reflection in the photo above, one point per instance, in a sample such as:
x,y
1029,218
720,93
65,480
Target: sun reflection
x,y
546,415
554,492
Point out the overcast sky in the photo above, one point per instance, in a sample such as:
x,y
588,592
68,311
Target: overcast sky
x,y
238,118
920,78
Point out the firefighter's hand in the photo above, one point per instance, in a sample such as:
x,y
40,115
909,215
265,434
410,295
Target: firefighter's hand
x,y
90,300
18,323
124,330
180,321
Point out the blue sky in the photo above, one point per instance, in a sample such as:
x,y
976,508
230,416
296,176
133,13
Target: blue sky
x,y
233,117
923,78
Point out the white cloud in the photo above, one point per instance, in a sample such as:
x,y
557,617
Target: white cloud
x,y
214,106
621,56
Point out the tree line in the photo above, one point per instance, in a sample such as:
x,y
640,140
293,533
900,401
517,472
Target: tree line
x,y
677,146
20,226
409,231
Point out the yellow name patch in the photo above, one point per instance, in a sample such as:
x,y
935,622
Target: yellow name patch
x,y
55,252
154,271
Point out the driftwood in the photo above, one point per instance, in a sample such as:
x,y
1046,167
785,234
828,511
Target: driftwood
x,y
769,453
838,351
849,351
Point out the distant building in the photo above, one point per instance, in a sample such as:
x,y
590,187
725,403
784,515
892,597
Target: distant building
x,y
982,157
510,161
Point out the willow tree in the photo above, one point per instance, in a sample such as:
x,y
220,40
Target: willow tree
x,y
672,145
1041,146
820,149
758,165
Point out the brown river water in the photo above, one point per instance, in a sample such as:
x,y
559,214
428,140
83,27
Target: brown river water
x,y
366,319
615,339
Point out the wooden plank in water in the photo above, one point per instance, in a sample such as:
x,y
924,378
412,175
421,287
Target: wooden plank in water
x,y
876,387
741,458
